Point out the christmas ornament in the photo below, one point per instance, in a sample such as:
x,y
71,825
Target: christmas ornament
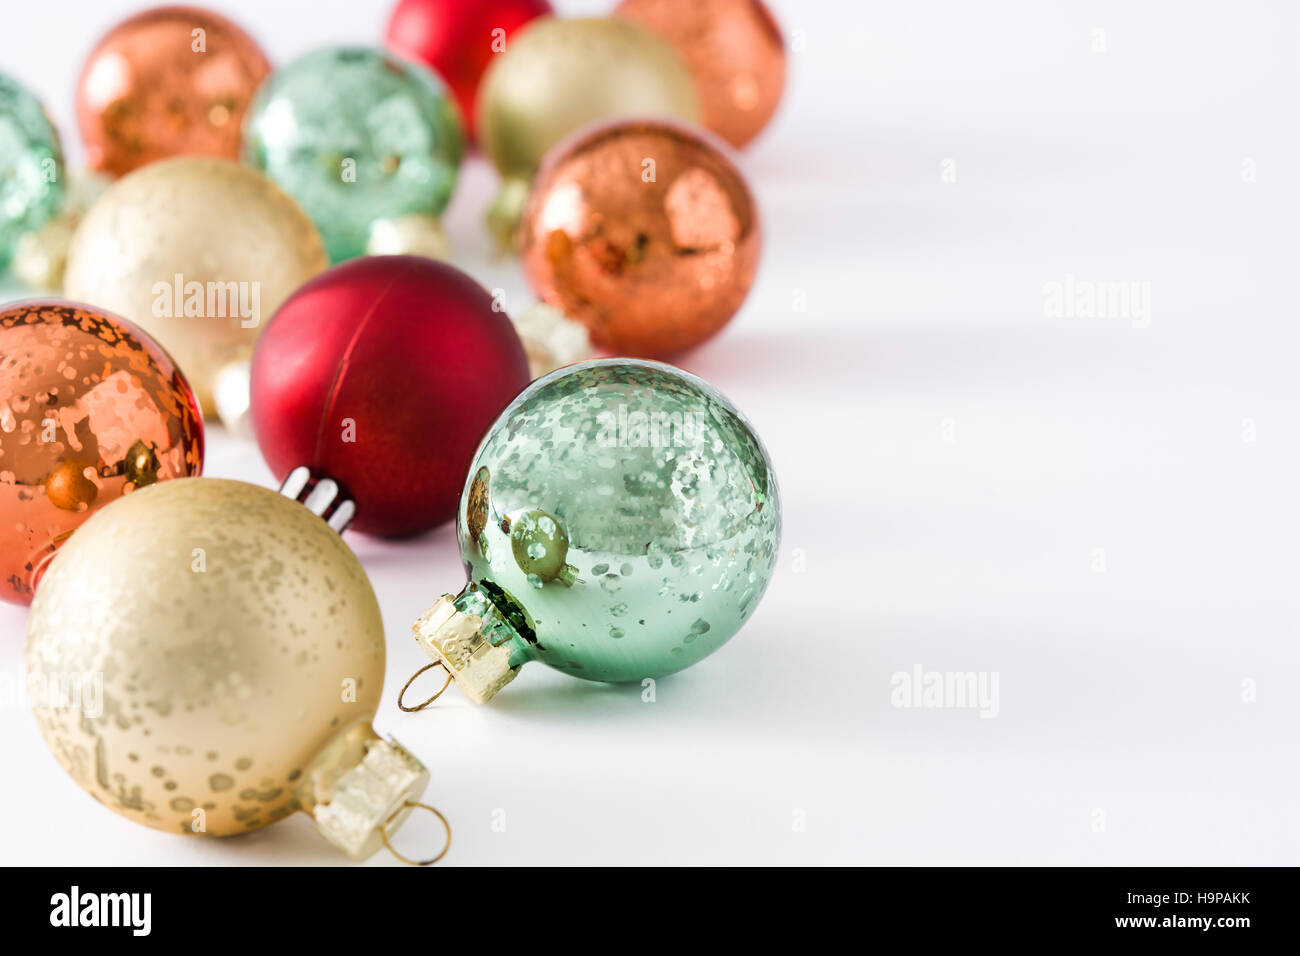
x,y
458,38
90,409
166,82
620,521
645,232
381,375
31,167
558,75
197,252
356,135
238,655
733,49
42,255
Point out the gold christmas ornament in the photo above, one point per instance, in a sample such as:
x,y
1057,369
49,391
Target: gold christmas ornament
x,y
557,75
205,657
197,251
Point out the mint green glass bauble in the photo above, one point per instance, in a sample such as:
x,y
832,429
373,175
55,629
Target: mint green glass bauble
x,y
31,167
620,521
357,136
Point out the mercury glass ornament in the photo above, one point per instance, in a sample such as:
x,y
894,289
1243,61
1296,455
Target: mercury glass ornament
x,y
91,409
168,81
357,135
620,521
31,167
205,658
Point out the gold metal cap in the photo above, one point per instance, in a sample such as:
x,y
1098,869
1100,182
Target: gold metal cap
x,y
361,787
455,640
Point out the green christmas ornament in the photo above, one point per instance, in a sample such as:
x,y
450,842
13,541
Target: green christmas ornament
x,y
620,521
367,143
31,167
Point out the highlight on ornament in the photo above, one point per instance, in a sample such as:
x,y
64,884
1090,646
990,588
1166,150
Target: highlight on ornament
x,y
368,144
91,410
620,521
241,655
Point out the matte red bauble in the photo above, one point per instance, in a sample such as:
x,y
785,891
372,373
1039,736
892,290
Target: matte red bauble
x,y
458,38
381,375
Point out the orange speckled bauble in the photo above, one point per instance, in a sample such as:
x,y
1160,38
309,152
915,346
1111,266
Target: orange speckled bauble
x,y
644,231
91,408
734,51
167,82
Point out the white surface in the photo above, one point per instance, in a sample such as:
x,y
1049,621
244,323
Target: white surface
x,y
1120,692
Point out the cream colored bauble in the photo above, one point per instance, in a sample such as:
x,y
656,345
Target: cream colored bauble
x,y
205,657
199,252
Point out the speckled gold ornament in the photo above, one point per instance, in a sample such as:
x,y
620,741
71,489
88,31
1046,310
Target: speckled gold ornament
x,y
735,51
560,74
198,252
205,657
90,410
644,231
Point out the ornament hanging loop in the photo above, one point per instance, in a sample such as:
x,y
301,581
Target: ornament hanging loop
x,y
410,804
402,693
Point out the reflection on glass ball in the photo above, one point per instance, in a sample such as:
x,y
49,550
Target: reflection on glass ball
x,y
91,409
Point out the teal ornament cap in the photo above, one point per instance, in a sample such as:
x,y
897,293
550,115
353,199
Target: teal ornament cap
x,y
620,521
356,135
31,167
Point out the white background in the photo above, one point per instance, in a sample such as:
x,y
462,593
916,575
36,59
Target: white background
x,y
1121,692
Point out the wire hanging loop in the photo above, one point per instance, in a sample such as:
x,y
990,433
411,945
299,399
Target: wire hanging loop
x,y
402,693
383,833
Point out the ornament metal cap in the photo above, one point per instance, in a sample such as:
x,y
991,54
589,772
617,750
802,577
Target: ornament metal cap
x,y
323,497
458,641
361,787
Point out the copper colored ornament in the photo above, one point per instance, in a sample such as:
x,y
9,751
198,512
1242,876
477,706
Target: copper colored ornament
x,y
167,82
733,49
90,409
644,231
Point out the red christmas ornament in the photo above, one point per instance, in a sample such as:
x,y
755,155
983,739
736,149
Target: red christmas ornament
x,y
382,374
458,38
